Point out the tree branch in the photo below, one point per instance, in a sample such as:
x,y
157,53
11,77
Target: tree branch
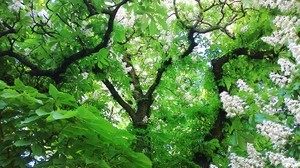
x,y
92,9
119,99
137,93
216,131
54,73
169,61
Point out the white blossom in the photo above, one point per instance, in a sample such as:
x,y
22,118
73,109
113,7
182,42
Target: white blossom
x,y
213,166
233,105
243,86
126,68
292,105
277,133
252,153
282,5
238,162
286,162
53,48
287,67
125,18
27,51
286,32
295,50
131,87
16,5
85,75
188,96
279,79
271,108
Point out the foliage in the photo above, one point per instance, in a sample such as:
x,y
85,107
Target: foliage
x,y
160,83
36,131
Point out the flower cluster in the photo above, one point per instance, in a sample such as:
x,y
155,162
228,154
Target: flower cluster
x,y
286,162
126,67
16,5
294,107
233,105
243,86
86,31
213,166
282,5
127,19
277,133
252,153
295,50
271,107
279,79
237,162
286,33
287,67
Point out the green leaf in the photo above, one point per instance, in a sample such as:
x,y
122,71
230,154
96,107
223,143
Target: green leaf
x,y
30,119
41,112
22,143
53,91
37,150
152,27
61,114
2,104
9,93
3,85
119,34
62,98
139,160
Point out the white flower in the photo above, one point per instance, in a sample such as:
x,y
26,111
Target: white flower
x,y
85,75
131,87
243,86
277,133
53,48
126,68
233,105
238,162
188,96
16,5
287,67
292,105
213,166
27,51
252,153
279,79
43,14
271,107
279,158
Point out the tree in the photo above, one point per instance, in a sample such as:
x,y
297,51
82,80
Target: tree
x,y
135,62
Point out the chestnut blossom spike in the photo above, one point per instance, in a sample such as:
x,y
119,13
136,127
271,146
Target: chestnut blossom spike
x,y
287,67
278,158
280,80
277,133
238,162
243,86
292,105
233,105
16,5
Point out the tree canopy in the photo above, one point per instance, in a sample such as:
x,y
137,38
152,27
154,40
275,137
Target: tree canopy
x,y
153,83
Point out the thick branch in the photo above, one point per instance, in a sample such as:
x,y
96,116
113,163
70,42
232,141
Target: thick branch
x,y
119,99
10,31
92,9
